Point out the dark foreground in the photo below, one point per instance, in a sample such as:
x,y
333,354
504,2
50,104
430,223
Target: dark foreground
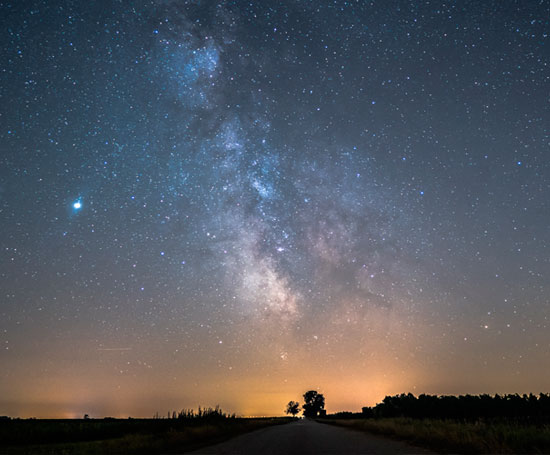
x,y
121,436
456,436
206,434
309,437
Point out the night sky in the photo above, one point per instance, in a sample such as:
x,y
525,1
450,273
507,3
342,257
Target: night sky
x,y
234,202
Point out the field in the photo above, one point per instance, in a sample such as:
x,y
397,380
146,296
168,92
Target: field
x,y
453,436
121,436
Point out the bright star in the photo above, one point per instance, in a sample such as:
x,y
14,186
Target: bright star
x,y
77,205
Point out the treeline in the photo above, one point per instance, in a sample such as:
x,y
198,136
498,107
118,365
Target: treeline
x,y
529,408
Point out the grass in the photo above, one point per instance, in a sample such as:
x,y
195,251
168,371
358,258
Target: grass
x,y
448,436
170,439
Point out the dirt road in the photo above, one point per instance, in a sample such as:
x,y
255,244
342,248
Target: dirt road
x,y
309,437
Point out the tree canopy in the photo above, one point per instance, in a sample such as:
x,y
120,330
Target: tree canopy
x,y
292,408
314,403
463,406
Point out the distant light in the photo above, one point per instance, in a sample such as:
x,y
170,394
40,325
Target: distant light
x,y
519,163
77,205
422,193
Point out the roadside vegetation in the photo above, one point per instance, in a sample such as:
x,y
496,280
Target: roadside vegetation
x,y
448,436
464,424
183,431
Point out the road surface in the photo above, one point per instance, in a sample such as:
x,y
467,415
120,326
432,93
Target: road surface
x,y
309,437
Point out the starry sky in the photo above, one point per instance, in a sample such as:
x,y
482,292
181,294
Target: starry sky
x,y
234,202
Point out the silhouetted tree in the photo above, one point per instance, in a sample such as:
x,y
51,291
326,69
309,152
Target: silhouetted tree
x,y
314,402
367,412
526,408
292,408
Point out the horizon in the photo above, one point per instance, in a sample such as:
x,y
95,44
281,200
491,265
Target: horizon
x,y
329,409
232,203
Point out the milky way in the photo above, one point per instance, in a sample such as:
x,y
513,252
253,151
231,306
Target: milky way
x,y
234,202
